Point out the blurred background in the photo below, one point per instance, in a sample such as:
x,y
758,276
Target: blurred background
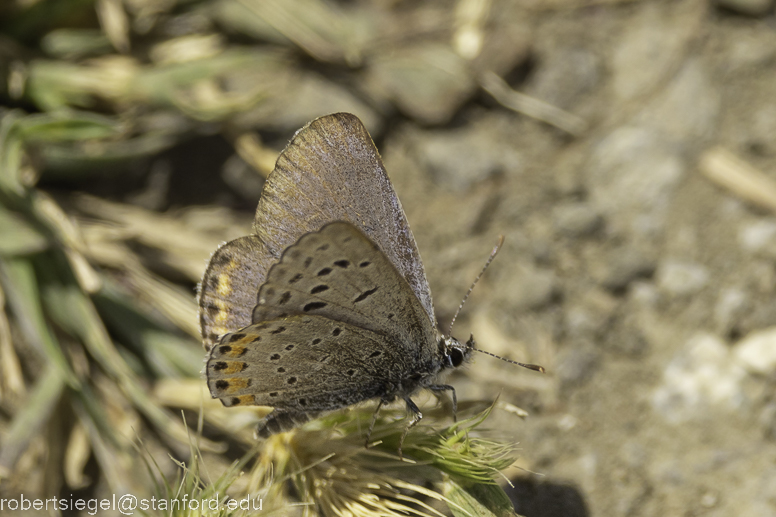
x,y
625,149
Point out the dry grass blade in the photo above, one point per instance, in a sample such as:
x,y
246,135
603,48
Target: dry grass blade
x,y
36,411
534,108
742,179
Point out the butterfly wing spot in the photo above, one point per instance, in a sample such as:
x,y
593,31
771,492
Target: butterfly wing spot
x,y
284,298
391,315
229,367
297,277
290,347
325,271
323,359
319,289
291,380
366,294
273,393
232,350
281,370
364,263
302,402
242,400
307,263
314,305
375,354
294,253
236,337
274,357
230,386
336,332
351,373
278,330
316,341
342,263
323,247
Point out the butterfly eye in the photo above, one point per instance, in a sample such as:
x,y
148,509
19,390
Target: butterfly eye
x,y
456,357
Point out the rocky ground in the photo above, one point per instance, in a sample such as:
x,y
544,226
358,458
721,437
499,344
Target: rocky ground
x,y
643,284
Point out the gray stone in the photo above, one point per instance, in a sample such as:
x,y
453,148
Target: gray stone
x,y
681,278
576,220
632,175
701,375
748,7
624,266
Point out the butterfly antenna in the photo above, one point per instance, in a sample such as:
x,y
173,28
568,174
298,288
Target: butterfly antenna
x,y
466,297
534,367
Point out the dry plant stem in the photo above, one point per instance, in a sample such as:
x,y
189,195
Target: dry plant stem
x,y
530,106
737,176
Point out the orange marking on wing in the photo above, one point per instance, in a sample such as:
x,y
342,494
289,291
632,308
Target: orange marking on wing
x,y
233,367
236,384
246,400
236,350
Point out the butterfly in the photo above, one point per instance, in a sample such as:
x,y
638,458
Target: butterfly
x,y
326,304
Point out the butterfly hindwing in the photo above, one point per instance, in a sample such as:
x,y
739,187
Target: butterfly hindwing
x,y
228,290
279,363
339,273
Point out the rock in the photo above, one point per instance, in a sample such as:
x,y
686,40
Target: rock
x,y
631,177
576,220
639,59
564,75
458,159
748,7
682,278
759,237
701,375
687,108
535,290
757,352
730,307
624,266
576,365
767,420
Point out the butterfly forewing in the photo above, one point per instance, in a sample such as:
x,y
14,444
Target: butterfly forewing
x,y
340,274
331,171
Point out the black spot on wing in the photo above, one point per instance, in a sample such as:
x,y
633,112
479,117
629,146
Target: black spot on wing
x,y
366,294
313,306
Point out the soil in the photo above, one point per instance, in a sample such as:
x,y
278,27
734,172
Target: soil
x,y
644,288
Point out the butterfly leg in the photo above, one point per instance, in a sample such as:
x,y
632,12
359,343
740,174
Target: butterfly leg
x,y
416,416
372,425
281,421
447,387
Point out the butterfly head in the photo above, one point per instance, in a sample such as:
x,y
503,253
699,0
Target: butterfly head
x,y
455,353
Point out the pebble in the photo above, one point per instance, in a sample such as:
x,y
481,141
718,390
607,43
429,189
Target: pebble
x,y
631,176
748,7
702,374
532,289
576,365
731,305
759,237
577,219
682,278
458,159
757,352
624,266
